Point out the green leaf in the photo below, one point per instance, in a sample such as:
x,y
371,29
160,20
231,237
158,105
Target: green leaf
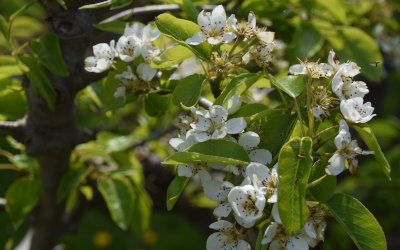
x,y
117,27
211,151
22,197
39,80
70,181
275,131
237,86
324,190
142,211
20,11
368,136
335,8
171,57
353,44
188,90
118,4
97,5
180,30
191,11
155,104
174,190
291,85
294,168
358,222
62,3
47,48
4,27
24,162
307,41
249,110
119,197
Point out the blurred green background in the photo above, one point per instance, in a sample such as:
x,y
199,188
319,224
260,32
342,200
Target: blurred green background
x,y
366,31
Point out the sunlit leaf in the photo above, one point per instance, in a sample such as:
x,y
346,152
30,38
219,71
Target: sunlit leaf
x,y
174,190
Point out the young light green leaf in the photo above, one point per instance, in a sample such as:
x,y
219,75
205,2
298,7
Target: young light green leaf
x,y
237,86
174,190
294,167
47,48
4,27
324,190
119,197
171,57
368,136
211,151
180,30
357,221
249,110
21,198
21,11
62,4
291,85
39,80
97,5
188,91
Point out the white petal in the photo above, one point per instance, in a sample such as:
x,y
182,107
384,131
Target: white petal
x,y
232,22
332,60
217,190
198,135
252,20
262,156
275,213
337,85
237,198
176,143
325,70
218,18
219,133
297,69
204,20
350,69
347,107
221,225
204,176
273,198
275,245
215,40
235,125
249,140
260,170
223,210
243,245
196,39
266,36
270,233
336,165
216,241
145,72
246,58
233,104
201,123
310,230
185,170
218,114
297,243
228,37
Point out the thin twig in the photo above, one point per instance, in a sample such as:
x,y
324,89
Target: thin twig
x,y
141,10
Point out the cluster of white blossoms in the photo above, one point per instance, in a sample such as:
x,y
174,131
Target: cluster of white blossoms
x,y
217,29
352,106
135,48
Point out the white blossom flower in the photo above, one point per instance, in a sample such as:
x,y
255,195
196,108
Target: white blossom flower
x,y
214,124
262,35
264,179
129,48
347,149
126,78
262,54
214,27
312,69
278,239
103,58
249,141
344,86
188,67
276,236
218,191
355,110
247,203
314,228
227,237
191,170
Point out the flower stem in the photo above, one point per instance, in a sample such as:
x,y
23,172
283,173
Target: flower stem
x,y
300,117
317,181
234,47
